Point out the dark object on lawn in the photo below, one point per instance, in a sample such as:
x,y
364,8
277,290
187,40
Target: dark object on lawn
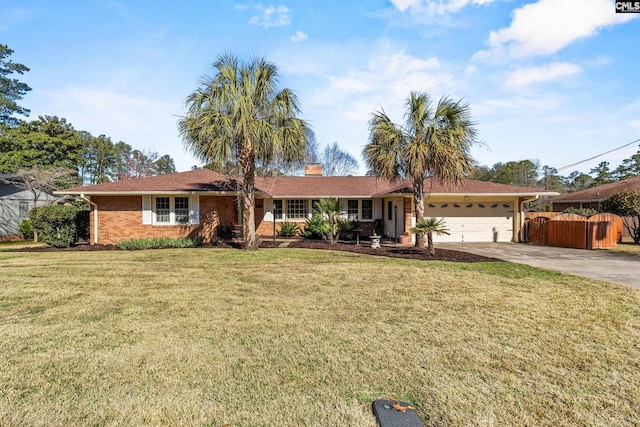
x,y
393,413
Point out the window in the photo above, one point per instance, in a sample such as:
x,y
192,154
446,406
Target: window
x,y
163,211
389,211
367,209
182,210
277,209
352,209
171,210
296,209
23,209
314,204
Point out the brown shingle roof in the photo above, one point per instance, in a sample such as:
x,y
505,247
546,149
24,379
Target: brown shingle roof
x,y
600,192
205,180
323,186
471,186
197,180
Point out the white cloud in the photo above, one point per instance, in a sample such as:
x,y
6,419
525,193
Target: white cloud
x,y
141,121
271,16
347,99
299,36
528,75
386,79
403,5
490,108
600,61
547,26
631,108
435,7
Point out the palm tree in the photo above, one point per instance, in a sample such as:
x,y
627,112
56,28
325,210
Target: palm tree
x,y
328,210
238,115
431,143
430,226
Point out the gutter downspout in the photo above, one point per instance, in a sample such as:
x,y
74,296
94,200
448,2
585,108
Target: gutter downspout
x,y
95,218
521,214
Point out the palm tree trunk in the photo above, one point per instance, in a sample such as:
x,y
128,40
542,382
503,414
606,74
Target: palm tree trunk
x,y
248,164
431,248
418,201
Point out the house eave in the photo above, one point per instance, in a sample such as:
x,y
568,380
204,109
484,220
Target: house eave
x,y
144,193
323,196
468,194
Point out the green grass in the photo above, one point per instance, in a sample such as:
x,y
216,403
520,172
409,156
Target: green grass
x,y
628,248
300,337
18,244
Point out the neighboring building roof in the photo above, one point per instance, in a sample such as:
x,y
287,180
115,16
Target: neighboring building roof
x,y
207,181
8,178
599,193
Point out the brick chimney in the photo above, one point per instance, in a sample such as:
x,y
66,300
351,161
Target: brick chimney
x,y
313,169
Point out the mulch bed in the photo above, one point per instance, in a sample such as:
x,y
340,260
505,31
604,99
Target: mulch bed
x,y
407,252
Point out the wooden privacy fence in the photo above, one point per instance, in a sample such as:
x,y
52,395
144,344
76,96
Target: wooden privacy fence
x,y
601,231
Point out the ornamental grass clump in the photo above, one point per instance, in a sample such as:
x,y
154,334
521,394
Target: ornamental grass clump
x,y
289,229
159,242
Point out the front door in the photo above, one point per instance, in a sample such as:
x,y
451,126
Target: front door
x,y
393,211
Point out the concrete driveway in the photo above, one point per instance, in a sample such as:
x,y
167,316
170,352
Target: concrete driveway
x,y
596,264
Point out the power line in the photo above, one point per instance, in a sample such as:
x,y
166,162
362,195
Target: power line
x,y
599,155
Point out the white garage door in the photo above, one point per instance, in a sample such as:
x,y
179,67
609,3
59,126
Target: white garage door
x,y
474,222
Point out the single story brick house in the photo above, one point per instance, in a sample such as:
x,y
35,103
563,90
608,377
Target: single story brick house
x,y
203,202
592,197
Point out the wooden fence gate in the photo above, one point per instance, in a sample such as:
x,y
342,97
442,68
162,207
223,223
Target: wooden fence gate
x,y
600,231
537,231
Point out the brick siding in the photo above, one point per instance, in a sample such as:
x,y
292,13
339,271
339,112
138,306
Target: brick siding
x,y
120,218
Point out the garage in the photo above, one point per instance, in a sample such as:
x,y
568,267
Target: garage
x,y
474,221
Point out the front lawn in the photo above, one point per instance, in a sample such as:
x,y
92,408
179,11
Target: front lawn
x,y
627,248
290,337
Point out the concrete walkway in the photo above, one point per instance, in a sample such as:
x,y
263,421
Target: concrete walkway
x,y
596,264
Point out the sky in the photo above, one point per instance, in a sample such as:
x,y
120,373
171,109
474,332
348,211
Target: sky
x,y
555,81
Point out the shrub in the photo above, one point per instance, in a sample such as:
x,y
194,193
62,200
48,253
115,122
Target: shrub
x,y
82,225
328,211
159,242
627,205
326,223
585,212
55,224
288,229
26,230
313,227
347,228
